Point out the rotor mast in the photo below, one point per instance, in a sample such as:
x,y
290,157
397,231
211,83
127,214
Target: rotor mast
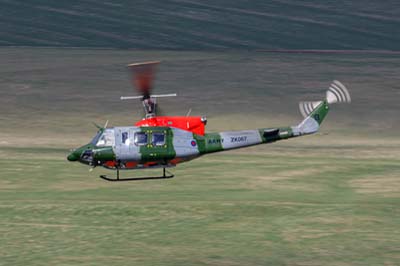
x,y
142,76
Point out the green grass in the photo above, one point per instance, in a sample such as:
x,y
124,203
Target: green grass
x,y
327,199
281,204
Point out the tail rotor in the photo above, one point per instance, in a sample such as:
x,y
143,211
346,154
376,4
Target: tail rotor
x,y
336,93
306,108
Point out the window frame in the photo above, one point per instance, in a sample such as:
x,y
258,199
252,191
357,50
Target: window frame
x,y
135,140
107,136
158,133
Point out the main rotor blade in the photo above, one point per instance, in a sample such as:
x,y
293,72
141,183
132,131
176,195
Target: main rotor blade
x,y
131,97
163,95
96,125
143,76
152,96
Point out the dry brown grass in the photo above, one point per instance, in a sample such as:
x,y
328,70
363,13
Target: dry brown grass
x,y
388,185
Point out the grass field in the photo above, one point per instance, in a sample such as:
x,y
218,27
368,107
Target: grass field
x,y
328,199
284,204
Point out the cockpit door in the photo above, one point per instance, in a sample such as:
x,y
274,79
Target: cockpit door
x,y
124,144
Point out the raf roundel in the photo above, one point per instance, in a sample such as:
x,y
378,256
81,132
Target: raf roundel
x,y
193,143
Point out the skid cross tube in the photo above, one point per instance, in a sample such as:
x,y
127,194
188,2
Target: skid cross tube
x,y
164,176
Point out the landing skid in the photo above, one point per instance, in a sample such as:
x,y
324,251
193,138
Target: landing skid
x,y
117,179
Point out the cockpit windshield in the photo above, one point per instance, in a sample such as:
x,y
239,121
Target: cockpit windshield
x,y
96,138
106,138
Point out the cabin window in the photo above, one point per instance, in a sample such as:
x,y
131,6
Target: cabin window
x,y
106,139
125,139
140,138
158,139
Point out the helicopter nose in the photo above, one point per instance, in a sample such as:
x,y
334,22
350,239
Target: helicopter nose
x,y
73,156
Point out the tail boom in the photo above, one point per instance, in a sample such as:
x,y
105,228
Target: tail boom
x,y
314,113
215,142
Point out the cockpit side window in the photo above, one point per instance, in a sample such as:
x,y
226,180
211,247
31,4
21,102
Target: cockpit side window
x,y
158,139
140,138
106,139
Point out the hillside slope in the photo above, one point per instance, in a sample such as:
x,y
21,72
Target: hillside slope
x,y
192,25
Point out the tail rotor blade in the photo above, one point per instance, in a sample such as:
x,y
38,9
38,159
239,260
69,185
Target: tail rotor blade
x,y
337,93
306,108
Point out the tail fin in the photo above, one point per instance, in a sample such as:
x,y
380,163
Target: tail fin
x,y
315,112
306,108
337,93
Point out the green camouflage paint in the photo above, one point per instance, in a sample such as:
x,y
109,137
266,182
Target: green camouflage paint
x,y
152,152
104,154
320,112
201,143
213,142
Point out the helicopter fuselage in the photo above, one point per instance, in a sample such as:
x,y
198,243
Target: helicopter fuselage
x,y
165,141
147,147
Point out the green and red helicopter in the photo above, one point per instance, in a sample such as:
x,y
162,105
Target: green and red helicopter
x,y
165,141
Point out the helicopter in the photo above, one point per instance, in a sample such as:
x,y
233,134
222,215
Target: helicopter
x,y
165,141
